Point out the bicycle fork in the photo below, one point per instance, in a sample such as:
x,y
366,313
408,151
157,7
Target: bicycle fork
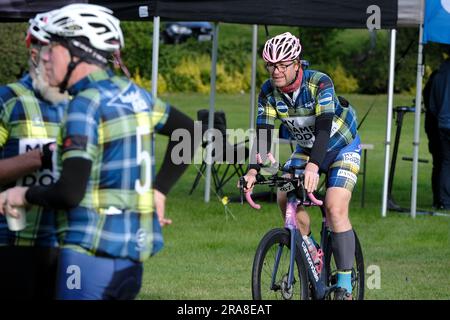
x,y
296,241
290,278
291,224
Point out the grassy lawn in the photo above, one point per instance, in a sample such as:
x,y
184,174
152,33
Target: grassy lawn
x,y
209,250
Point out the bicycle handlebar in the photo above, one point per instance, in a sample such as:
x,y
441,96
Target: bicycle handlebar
x,y
253,204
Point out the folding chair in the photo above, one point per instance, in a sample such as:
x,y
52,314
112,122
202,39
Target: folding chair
x,y
226,163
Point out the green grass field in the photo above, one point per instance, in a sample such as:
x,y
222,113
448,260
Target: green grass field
x,y
209,251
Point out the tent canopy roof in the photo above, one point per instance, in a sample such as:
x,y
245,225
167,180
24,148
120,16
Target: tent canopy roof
x,y
325,13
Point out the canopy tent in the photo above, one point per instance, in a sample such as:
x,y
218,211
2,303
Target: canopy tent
x,y
22,10
323,13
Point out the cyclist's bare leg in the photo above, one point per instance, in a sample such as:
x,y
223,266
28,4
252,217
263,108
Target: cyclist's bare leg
x,y
303,219
337,202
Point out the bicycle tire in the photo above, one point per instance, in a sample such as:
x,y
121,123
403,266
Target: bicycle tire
x,y
358,274
264,259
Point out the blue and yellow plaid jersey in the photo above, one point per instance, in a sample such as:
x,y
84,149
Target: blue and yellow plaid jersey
x,y
316,97
111,122
27,122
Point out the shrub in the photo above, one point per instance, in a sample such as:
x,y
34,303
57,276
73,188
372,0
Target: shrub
x,y
13,52
189,76
370,66
137,53
343,81
147,84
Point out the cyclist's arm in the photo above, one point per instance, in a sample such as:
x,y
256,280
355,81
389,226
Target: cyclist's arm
x,y
261,145
79,134
13,168
169,173
68,191
265,123
322,132
324,110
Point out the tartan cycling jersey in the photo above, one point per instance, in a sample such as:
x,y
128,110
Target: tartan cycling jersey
x,y
111,122
315,97
28,122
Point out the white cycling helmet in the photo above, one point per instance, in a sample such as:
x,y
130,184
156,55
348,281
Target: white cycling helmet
x,y
36,30
93,22
283,47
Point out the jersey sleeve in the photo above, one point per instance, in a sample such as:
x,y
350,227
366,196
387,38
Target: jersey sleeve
x,y
5,100
325,97
82,127
266,110
3,129
160,114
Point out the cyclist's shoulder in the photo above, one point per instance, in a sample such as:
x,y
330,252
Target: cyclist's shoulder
x,y
100,83
17,94
317,77
14,89
6,94
267,88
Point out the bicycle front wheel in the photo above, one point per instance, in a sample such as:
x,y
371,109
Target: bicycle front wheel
x,y
271,269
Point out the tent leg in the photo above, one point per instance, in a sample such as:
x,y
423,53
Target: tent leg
x,y
415,166
212,101
389,122
155,56
253,77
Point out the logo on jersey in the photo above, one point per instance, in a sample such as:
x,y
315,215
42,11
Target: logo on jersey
x,y
141,239
302,129
282,107
325,99
136,100
309,104
352,157
260,109
47,174
75,143
347,174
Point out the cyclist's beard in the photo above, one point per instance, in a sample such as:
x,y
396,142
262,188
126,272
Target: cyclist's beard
x,y
41,85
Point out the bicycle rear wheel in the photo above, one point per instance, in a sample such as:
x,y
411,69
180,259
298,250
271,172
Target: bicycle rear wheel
x,y
270,285
357,270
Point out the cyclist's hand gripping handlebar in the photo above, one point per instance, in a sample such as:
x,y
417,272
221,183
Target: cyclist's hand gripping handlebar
x,y
248,197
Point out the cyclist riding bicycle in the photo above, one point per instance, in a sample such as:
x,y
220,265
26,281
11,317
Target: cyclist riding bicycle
x,y
325,130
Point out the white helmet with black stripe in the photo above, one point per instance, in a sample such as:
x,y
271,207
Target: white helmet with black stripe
x,y
93,22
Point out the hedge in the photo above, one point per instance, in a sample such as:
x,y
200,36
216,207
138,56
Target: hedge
x,y
354,67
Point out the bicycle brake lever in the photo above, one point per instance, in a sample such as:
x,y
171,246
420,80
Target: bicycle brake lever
x,y
302,187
